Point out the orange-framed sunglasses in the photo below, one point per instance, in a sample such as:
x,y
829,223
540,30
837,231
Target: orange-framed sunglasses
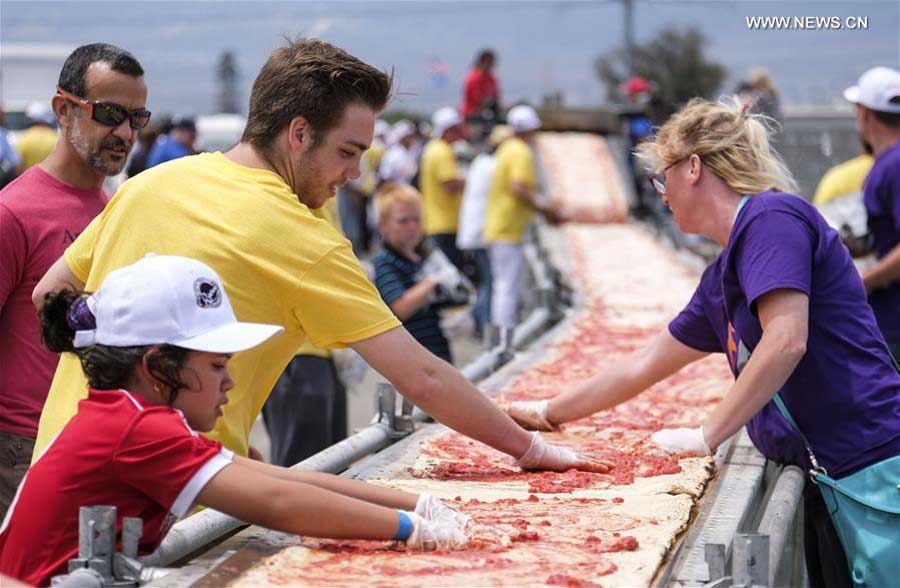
x,y
109,113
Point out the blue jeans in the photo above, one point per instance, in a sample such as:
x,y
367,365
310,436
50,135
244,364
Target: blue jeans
x,y
481,310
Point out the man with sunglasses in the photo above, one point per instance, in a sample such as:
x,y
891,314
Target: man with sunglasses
x,y
99,105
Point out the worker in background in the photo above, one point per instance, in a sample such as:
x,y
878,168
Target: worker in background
x,y
512,202
178,142
247,211
839,197
441,184
845,179
481,95
399,163
636,113
155,342
785,305
36,142
472,213
877,99
100,104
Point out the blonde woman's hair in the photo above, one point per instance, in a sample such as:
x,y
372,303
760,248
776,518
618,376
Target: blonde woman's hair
x,y
732,142
389,193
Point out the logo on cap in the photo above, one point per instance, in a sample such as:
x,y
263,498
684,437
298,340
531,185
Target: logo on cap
x,y
208,293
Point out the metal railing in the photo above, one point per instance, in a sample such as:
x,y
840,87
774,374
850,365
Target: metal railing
x,y
203,529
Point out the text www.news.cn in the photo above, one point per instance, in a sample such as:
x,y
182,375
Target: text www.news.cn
x,y
808,23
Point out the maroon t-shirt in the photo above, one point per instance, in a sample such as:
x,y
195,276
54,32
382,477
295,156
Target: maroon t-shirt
x,y
39,217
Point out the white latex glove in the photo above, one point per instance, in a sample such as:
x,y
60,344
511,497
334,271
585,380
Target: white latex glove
x,y
541,456
429,535
531,414
431,509
682,441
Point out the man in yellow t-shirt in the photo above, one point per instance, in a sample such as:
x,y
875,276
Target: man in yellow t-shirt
x,y
307,409
440,183
512,201
844,179
36,143
246,213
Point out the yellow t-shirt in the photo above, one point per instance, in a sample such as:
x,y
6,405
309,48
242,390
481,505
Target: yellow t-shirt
x,y
843,179
329,212
440,207
507,216
35,144
278,262
369,168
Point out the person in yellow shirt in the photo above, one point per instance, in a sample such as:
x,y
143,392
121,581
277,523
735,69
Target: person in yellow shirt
x,y
844,179
440,183
512,201
36,143
246,213
307,409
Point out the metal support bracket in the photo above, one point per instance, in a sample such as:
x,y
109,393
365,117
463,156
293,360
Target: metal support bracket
x,y
400,425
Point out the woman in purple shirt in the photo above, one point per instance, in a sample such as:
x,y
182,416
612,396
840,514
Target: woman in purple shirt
x,y
782,301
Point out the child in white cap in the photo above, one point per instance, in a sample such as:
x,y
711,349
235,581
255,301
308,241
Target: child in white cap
x,y
154,342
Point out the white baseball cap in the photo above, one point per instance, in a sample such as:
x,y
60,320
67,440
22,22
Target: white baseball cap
x,y
381,129
877,89
444,119
167,299
40,112
401,130
523,118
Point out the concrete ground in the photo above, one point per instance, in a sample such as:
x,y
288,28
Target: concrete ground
x,y
361,398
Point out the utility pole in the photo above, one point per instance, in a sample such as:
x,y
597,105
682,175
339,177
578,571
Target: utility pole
x,y
227,74
628,5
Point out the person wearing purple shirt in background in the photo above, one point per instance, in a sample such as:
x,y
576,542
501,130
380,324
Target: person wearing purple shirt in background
x,y
783,302
877,99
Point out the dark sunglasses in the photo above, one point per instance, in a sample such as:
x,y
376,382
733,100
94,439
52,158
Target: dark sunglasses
x,y
108,113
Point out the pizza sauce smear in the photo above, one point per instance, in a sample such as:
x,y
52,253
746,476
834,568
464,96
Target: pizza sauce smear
x,y
549,527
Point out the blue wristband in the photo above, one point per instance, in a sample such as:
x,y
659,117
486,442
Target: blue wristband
x,y
404,526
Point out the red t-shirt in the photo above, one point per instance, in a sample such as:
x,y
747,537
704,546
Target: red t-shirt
x,y
479,85
39,217
117,450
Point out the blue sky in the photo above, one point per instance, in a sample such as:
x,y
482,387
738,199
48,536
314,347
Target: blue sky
x,y
543,46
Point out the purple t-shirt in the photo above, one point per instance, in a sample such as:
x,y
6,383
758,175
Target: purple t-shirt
x,y
881,196
845,392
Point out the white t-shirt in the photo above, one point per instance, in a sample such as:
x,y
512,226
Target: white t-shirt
x,y
470,234
397,165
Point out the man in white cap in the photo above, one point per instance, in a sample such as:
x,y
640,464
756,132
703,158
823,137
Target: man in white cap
x,y
877,99
511,205
399,164
441,184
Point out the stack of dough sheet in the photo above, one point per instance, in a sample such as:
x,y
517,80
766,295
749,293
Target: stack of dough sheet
x,y
559,529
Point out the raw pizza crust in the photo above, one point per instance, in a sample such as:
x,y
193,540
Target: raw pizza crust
x,y
589,540
629,287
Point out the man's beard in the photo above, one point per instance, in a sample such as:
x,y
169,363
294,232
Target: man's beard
x,y
94,159
311,188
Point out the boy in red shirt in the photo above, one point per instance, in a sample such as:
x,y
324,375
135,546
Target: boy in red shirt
x,y
154,342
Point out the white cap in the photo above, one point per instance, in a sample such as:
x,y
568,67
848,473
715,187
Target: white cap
x,y
382,128
877,89
40,112
523,118
444,119
168,299
401,130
